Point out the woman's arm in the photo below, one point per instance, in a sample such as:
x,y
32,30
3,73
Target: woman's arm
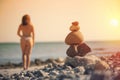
x,y
33,35
18,32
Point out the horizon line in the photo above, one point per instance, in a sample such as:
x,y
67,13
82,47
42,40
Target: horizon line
x,y
63,41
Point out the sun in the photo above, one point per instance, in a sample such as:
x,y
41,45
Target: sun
x,y
114,22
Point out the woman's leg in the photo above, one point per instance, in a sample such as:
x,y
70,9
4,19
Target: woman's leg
x,y
28,61
24,61
28,49
23,53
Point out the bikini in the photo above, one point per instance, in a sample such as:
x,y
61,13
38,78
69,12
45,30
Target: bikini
x,y
27,38
27,47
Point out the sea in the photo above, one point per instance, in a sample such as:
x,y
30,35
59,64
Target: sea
x,y
11,52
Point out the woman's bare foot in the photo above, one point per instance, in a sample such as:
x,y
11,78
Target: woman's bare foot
x,y
24,68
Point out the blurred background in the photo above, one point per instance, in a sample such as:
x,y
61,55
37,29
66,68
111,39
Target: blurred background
x,y
99,22
99,19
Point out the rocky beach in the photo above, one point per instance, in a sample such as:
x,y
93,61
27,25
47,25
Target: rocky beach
x,y
89,67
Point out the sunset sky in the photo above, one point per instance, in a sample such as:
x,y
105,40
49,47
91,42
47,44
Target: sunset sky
x,y
99,19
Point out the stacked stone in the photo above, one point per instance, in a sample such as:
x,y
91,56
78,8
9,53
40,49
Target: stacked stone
x,y
76,41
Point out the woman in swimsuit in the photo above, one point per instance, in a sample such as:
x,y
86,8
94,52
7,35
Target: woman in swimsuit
x,y
26,33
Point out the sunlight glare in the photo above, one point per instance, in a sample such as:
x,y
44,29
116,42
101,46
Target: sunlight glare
x,y
114,22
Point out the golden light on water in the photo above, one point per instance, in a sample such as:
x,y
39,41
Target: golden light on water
x,y
114,22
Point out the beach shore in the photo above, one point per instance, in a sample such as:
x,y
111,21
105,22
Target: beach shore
x,y
67,69
12,68
11,71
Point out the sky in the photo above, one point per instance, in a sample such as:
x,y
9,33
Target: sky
x,y
98,19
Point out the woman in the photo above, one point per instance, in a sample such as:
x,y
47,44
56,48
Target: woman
x,y
26,33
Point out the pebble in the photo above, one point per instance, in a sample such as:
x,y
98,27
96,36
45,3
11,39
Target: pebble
x,y
43,74
54,73
50,65
65,76
79,69
1,75
60,60
38,61
68,67
30,74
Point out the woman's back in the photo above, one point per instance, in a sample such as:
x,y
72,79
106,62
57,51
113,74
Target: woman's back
x,y
26,30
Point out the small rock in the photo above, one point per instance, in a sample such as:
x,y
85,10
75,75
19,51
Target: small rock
x,y
34,78
58,68
101,75
48,69
79,69
23,73
63,72
29,74
46,78
43,74
60,60
103,58
52,77
38,61
54,73
1,75
15,76
101,65
89,71
50,65
89,61
65,76
84,77
117,77
6,78
72,72
1,78
77,75
39,78
51,60
68,67
26,78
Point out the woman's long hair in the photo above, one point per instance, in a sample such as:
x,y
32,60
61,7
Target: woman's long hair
x,y
25,18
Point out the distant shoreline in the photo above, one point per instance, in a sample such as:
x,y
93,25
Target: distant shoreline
x,y
108,41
